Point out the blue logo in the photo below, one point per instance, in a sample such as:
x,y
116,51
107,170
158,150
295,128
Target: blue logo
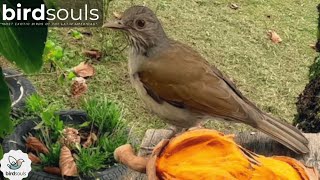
x,y
14,163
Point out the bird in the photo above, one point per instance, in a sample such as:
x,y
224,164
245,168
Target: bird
x,y
14,164
180,86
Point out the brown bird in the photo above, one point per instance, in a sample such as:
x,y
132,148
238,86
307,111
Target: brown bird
x,y
179,85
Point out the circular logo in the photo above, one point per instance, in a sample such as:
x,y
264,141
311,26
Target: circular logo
x,y
15,165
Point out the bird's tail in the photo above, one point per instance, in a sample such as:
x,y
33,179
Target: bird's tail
x,y
284,133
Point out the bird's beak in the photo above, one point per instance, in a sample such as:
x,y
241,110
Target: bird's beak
x,y
115,24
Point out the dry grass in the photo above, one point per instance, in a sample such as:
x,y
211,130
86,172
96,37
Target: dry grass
x,y
235,41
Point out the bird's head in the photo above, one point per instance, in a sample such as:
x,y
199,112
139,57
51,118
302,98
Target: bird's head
x,y
142,27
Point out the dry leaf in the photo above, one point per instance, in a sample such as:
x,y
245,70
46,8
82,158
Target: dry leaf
x,y
34,144
93,53
125,155
52,170
70,137
117,15
67,164
84,70
78,87
234,6
274,36
92,138
34,159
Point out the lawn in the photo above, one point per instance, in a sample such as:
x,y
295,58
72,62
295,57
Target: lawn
x,y
236,41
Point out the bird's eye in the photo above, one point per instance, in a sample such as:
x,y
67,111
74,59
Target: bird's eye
x,y
140,23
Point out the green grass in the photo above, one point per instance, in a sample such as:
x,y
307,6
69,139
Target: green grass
x,y
35,104
51,159
91,160
236,41
105,120
105,114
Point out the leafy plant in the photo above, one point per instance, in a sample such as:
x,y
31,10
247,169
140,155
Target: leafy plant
x,y
36,104
105,120
314,70
15,46
105,114
76,34
51,159
90,160
53,54
50,126
5,104
1,152
109,142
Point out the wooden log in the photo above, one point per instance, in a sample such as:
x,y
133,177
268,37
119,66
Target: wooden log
x,y
254,141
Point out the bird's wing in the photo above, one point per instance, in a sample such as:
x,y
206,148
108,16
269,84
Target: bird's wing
x,y
233,87
12,160
183,78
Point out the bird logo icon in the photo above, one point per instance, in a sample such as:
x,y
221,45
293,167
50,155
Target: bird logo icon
x,y
14,164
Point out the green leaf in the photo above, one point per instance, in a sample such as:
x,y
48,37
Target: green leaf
x,y
61,79
6,124
76,34
58,53
1,152
85,124
71,75
23,45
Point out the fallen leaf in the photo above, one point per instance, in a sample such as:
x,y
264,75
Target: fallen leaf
x,y
117,15
125,155
84,70
67,164
52,170
70,137
34,144
93,53
92,138
234,6
78,87
34,159
274,36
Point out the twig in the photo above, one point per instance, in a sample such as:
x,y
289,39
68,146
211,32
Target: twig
x,y
21,74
